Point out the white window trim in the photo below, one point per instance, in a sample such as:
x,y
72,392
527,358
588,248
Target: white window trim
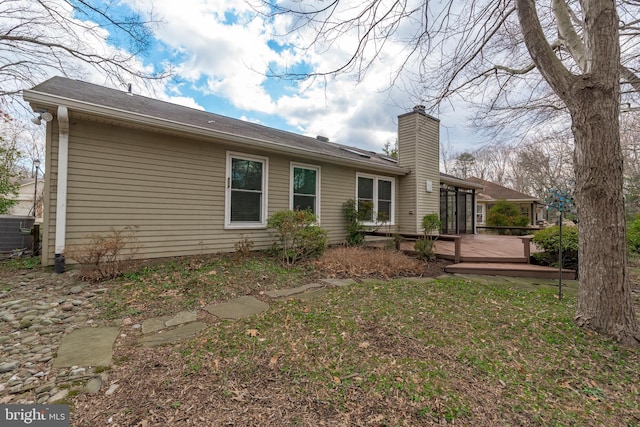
x,y
376,178
480,207
318,172
227,194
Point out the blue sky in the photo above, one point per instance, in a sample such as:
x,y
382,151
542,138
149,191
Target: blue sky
x,y
222,53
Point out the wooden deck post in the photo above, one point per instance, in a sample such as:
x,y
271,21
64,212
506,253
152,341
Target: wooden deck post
x,y
458,246
526,241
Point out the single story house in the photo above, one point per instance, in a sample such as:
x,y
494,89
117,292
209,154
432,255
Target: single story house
x,y
194,182
486,198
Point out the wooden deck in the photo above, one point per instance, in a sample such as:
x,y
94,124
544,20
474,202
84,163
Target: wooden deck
x,y
485,248
492,255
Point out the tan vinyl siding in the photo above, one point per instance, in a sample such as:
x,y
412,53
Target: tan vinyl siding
x,y
172,189
418,150
428,155
338,185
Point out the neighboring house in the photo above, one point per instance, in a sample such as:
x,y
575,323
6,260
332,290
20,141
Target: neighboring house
x,y
486,198
26,192
195,182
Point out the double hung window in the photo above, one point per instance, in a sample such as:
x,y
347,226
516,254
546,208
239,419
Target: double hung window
x,y
246,195
375,196
305,188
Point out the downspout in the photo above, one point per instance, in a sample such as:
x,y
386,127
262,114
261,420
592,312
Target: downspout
x,y
61,195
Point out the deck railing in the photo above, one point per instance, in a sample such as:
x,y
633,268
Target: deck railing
x,y
457,239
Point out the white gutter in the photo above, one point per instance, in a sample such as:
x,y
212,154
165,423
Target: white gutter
x,y
61,195
458,182
172,125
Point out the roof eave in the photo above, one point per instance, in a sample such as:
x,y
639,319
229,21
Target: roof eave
x,y
460,183
42,99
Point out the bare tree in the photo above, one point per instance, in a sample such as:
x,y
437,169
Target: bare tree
x,y
496,161
447,157
40,38
548,63
542,163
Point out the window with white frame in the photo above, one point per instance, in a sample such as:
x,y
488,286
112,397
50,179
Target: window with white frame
x,y
375,197
246,195
305,188
479,214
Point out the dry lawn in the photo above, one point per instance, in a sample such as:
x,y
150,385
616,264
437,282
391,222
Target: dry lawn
x,y
402,352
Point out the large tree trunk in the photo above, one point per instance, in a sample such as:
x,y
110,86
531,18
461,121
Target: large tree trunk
x,y
604,298
605,304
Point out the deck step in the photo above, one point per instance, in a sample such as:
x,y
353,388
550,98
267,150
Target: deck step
x,y
484,259
509,269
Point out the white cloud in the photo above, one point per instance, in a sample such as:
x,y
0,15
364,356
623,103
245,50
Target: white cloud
x,y
230,58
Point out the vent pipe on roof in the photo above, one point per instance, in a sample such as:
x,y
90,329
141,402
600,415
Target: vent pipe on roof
x,y
322,138
129,90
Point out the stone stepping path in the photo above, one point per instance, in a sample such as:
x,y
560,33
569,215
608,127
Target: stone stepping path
x,y
86,347
238,308
184,325
159,323
173,336
283,293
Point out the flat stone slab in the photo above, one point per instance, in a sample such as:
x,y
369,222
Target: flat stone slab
x,y
309,296
86,347
280,293
338,282
173,336
238,308
156,324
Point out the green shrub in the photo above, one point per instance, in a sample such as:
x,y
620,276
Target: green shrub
x,y
354,227
424,245
549,241
633,235
430,224
506,214
424,249
299,237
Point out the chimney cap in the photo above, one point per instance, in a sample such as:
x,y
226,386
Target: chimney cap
x,y
420,108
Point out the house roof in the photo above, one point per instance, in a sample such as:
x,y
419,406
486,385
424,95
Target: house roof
x,y
459,182
493,191
83,97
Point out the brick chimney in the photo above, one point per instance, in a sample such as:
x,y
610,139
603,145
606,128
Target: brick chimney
x,y
418,151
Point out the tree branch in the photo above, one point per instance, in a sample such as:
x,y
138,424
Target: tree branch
x,y
551,68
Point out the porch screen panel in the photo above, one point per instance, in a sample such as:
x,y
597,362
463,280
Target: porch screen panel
x,y
461,213
469,213
451,212
443,211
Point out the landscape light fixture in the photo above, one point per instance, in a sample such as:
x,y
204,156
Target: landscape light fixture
x,y
42,115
